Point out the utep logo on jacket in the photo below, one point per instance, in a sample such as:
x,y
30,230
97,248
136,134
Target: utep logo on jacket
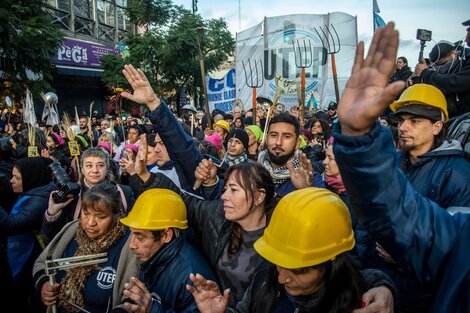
x,y
106,277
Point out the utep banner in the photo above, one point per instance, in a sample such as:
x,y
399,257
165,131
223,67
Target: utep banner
x,y
271,43
81,53
221,93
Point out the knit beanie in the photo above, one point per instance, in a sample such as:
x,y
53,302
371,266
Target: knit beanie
x,y
215,140
241,135
106,146
132,147
256,130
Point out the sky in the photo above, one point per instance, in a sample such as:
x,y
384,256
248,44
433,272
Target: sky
x,y
443,17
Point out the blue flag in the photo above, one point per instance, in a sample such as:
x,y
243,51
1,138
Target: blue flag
x,y
378,20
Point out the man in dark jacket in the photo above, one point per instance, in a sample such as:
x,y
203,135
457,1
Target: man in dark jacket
x,y
436,167
452,83
283,159
424,239
167,260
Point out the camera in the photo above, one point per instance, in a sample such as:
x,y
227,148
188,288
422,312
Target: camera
x,y
424,35
63,182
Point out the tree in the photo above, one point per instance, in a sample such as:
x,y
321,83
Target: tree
x,y
27,41
169,54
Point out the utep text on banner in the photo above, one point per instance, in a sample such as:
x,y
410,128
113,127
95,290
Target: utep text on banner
x,y
272,43
221,92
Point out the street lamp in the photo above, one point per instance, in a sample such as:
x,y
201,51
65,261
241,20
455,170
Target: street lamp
x,y
200,34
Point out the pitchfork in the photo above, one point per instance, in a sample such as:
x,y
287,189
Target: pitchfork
x,y
332,48
254,81
303,60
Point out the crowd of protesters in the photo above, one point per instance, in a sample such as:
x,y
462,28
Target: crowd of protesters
x,y
358,207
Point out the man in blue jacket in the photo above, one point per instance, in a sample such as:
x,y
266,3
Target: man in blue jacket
x,y
421,236
166,259
436,167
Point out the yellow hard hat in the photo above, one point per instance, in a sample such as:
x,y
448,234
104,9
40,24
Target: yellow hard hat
x,y
157,209
224,124
423,95
309,226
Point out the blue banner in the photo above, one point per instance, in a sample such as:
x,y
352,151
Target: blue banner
x,y
221,93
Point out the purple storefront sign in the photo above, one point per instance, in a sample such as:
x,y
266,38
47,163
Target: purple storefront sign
x,y
81,53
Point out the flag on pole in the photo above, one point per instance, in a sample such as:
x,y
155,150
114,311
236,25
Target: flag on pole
x,y
378,20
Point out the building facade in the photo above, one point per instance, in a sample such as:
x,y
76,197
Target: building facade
x,y
92,28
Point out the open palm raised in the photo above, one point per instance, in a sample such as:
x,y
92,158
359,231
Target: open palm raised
x,y
366,94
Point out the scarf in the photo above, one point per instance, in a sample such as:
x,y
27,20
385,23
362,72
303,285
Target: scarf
x,y
73,284
335,183
280,174
236,160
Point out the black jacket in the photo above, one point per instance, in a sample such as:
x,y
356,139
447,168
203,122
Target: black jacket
x,y
454,83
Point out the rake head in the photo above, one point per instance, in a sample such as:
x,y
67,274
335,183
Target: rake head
x,y
329,40
254,79
303,53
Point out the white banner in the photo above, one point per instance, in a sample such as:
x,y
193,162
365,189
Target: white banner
x,y
282,45
221,93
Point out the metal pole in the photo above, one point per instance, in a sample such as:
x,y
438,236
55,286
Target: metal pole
x,y
200,33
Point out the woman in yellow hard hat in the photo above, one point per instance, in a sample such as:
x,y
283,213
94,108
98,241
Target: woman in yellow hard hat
x,y
311,270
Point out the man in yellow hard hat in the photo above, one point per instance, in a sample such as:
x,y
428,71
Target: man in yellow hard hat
x,y
425,241
435,166
155,222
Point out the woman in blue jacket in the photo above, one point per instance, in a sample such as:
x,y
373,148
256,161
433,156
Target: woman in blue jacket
x,y
31,180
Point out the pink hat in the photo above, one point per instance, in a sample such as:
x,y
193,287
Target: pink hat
x,y
106,146
215,140
132,147
59,139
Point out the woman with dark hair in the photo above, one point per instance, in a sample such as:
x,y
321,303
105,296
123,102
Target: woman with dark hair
x,y
231,225
95,288
319,134
54,142
309,271
238,123
402,72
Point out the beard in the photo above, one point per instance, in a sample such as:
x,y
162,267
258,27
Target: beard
x,y
280,159
404,146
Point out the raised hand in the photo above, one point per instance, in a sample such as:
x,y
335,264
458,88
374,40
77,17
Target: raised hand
x,y
301,177
206,172
143,92
207,295
127,164
366,94
141,159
